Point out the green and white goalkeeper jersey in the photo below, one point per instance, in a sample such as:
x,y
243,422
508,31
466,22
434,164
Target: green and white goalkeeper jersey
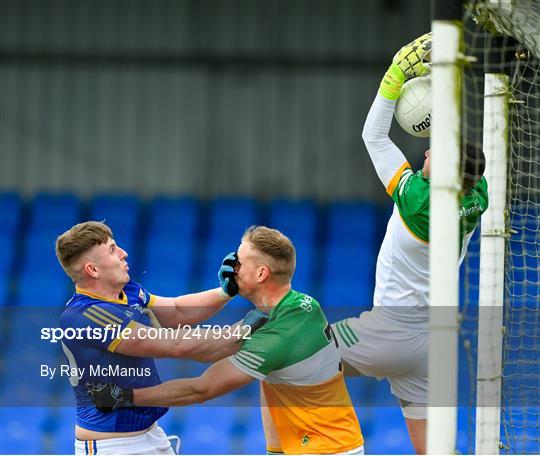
x,y
296,357
402,274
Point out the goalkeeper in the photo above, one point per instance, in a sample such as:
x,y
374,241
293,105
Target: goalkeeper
x,y
391,340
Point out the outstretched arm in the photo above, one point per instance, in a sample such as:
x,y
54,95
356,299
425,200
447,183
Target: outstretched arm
x,y
210,344
188,309
205,346
193,308
218,380
385,155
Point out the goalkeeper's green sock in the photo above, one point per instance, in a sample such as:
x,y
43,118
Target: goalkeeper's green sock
x,y
391,83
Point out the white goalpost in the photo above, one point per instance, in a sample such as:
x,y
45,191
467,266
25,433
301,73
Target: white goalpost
x,y
492,251
492,319
444,229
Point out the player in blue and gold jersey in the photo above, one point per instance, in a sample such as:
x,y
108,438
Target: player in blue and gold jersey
x,y
112,316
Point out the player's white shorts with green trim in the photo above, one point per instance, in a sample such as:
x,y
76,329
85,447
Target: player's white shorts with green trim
x,y
379,345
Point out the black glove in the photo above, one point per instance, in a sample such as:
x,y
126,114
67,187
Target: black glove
x,y
226,275
256,319
108,396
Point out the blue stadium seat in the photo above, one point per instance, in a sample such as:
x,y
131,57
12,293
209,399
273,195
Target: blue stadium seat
x,y
348,276
24,355
21,429
305,262
296,219
351,258
388,431
248,434
173,423
463,440
52,214
229,218
7,253
211,257
4,291
253,442
39,256
169,253
174,217
26,330
64,434
121,214
10,208
166,284
341,298
26,387
204,429
43,290
351,221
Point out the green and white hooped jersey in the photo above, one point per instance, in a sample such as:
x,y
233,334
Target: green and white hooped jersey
x,y
294,347
297,359
402,274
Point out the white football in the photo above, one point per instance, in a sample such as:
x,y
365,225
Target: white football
x,y
413,109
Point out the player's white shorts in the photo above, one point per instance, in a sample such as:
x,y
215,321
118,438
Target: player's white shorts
x,y
359,450
153,441
379,345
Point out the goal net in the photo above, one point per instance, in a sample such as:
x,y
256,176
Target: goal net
x,y
504,38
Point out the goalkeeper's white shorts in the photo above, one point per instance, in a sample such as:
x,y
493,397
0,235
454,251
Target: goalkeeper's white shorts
x,y
379,345
153,441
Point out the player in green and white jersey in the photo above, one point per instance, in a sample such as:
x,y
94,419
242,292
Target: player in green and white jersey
x,y
390,341
306,406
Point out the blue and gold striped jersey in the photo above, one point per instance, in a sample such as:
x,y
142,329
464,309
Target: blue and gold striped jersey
x,y
92,357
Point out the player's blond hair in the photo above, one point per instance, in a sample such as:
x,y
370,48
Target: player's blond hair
x,y
75,242
277,249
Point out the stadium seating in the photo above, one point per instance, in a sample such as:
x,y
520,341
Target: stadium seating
x,y
21,429
388,434
52,214
169,264
180,243
298,219
228,218
173,217
352,221
204,427
121,213
10,208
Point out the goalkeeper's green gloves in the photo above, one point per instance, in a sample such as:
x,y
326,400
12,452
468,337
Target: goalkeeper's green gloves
x,y
409,62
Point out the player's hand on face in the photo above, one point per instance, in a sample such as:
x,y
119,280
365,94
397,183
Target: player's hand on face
x,y
108,396
226,275
413,58
256,319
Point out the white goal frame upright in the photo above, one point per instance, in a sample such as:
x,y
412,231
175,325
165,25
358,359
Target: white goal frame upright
x,y
444,236
492,251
